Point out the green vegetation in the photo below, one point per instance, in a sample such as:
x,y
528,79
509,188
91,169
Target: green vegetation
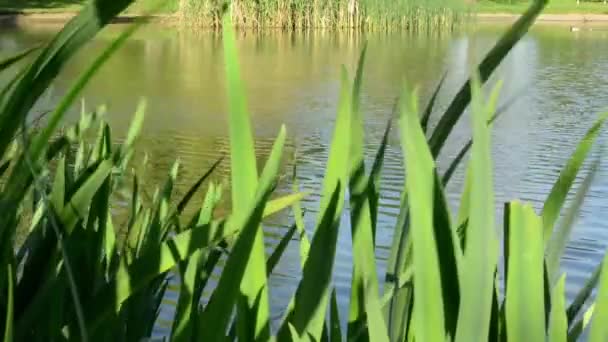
x,y
369,14
554,6
76,275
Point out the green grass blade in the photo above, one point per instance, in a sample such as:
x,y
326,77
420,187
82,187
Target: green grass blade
x,y
486,68
584,294
79,202
374,180
557,244
557,196
450,257
362,226
11,60
194,188
525,309
580,326
134,128
219,309
276,205
299,218
309,306
480,256
599,329
276,255
376,325
181,330
8,324
244,181
419,168
424,122
558,322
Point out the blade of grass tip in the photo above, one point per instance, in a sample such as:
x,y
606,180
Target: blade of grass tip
x,y
525,310
11,60
309,305
424,122
558,323
419,170
584,294
458,159
311,299
299,218
581,325
218,311
557,196
480,257
244,181
364,268
464,208
486,68
194,188
134,129
276,205
599,329
79,202
8,324
557,244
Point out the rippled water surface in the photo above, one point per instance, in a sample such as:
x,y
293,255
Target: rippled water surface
x,y
558,78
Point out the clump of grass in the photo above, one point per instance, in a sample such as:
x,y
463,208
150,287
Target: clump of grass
x,y
413,15
75,278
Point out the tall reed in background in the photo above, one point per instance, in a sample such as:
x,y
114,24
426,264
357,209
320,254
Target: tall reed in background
x,y
413,15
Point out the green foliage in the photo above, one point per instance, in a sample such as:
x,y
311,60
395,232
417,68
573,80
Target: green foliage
x,y
413,15
75,275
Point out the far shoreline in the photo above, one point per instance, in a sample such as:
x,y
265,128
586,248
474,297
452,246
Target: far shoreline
x,y
547,17
29,18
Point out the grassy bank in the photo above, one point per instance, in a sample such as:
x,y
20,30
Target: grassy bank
x,y
368,14
287,14
554,7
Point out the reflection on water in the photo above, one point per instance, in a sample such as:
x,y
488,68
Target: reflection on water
x,y
557,77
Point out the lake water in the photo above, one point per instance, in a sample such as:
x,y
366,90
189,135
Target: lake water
x,y
559,78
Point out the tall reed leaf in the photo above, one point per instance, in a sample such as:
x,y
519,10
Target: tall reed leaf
x,y
364,262
524,306
584,294
486,68
244,180
420,182
557,196
307,315
11,60
480,256
8,324
557,243
599,329
558,322
215,318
